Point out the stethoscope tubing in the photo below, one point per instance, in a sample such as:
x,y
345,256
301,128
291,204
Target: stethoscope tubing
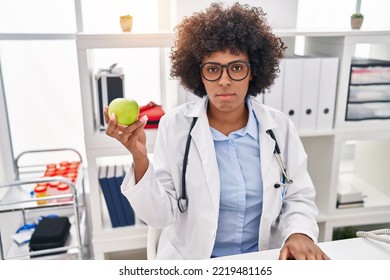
x,y
182,202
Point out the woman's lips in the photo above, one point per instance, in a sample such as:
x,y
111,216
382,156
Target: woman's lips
x,y
225,95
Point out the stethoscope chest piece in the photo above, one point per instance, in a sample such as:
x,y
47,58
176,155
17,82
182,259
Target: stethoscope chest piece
x,y
182,203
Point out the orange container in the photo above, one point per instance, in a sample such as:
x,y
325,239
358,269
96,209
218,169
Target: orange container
x,y
52,190
64,163
51,166
40,191
64,189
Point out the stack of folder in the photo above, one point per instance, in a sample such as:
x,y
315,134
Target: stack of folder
x,y
305,91
369,90
119,209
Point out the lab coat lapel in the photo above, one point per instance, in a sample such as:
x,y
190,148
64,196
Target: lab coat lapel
x,y
201,135
267,144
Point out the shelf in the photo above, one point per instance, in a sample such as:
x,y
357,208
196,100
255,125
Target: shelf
x,y
86,41
329,32
369,130
19,197
165,38
119,239
37,36
69,251
99,144
317,133
124,40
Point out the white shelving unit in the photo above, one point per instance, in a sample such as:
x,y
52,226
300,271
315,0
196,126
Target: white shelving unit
x,y
372,138
98,145
324,148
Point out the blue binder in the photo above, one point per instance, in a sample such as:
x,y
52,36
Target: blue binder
x,y
116,195
127,209
105,187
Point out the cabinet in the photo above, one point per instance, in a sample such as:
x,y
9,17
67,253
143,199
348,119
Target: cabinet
x,y
19,207
324,148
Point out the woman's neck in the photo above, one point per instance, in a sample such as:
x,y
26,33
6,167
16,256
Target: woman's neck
x,y
227,122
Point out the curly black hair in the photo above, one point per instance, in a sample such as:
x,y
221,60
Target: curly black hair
x,y
238,28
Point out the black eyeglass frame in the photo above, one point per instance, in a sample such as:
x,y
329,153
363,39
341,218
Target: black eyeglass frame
x,y
227,69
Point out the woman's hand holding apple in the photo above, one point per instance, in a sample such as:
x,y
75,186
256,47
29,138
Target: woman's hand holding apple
x,y
132,137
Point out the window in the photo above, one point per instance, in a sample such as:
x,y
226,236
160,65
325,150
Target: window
x,y
41,78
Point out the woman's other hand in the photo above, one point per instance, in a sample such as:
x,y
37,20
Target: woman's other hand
x,y
300,247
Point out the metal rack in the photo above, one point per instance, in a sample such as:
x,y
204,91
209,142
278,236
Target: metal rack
x,y
18,200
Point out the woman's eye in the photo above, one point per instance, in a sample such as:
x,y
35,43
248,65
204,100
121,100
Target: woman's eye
x,y
237,67
213,69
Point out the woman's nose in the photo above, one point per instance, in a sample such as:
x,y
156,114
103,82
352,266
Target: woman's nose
x,y
225,79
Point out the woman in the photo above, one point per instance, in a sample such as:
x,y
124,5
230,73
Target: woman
x,y
236,202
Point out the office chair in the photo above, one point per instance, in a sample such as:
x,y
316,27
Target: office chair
x,y
152,242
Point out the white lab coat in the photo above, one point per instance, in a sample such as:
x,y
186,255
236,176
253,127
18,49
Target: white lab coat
x,y
191,235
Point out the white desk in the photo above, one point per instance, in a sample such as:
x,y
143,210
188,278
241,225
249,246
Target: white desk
x,y
347,249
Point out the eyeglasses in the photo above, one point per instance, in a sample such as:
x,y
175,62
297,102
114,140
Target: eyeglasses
x,y
237,70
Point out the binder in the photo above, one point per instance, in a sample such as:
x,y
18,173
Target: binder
x,y
309,94
127,209
292,87
109,85
116,195
107,196
327,93
274,95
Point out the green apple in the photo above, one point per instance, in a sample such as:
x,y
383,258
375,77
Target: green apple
x,y
126,110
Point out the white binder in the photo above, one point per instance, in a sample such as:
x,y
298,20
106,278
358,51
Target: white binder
x,y
274,96
309,94
292,87
327,92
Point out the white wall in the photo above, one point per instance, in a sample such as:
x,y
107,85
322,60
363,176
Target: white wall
x,y
335,14
280,13
6,152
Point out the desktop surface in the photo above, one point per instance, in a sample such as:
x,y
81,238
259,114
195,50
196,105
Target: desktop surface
x,y
347,249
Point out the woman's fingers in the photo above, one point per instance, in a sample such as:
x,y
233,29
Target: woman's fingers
x,y
122,133
105,112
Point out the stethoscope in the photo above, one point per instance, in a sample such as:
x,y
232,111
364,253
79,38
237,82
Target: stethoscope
x,y
182,202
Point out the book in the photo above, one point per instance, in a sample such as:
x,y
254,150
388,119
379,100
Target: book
x,y
347,193
127,209
116,195
102,177
353,204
